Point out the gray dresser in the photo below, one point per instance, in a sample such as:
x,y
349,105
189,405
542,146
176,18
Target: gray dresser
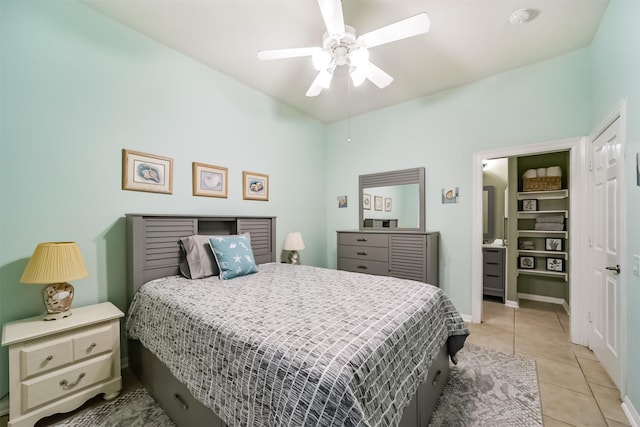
x,y
493,271
407,255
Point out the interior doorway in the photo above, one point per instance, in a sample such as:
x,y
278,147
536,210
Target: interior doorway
x,y
575,148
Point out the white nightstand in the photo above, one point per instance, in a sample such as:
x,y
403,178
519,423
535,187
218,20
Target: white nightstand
x,y
56,366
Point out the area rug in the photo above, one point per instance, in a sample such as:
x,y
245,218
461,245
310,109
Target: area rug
x,y
487,388
490,389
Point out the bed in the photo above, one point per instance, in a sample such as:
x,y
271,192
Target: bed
x,y
287,345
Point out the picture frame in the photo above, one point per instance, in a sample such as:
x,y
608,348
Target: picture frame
x,y
555,264
529,205
377,203
553,244
450,195
366,201
255,186
146,172
527,262
387,204
210,180
342,201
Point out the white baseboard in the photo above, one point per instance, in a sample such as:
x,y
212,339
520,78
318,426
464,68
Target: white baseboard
x,y
542,298
630,412
467,318
4,406
512,304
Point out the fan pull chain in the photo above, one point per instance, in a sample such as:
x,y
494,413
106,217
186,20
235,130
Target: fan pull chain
x,y
348,109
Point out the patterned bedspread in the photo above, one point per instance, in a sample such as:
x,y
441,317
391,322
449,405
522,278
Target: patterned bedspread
x,y
297,345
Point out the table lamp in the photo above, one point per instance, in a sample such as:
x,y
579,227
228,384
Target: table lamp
x,y
54,263
293,244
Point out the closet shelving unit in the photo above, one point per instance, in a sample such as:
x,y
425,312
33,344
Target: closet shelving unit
x,y
539,236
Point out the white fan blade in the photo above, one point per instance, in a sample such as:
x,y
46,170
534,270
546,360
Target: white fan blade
x,y
322,81
266,55
406,28
377,76
332,14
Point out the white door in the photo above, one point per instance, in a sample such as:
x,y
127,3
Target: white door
x,y
604,314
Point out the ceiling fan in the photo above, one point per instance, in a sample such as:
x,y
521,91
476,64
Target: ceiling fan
x,y
340,46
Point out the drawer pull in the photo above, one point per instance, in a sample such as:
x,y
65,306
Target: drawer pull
x,y
436,377
49,358
492,275
492,263
362,267
92,346
361,239
363,253
180,400
67,385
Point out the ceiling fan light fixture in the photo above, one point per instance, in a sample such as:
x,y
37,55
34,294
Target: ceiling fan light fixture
x,y
358,75
359,56
321,60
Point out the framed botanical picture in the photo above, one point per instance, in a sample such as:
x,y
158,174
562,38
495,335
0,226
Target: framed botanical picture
x,y
146,172
377,203
552,244
387,204
366,201
209,180
255,186
342,201
555,264
530,205
527,262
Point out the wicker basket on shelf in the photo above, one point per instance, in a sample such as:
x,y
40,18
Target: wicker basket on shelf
x,y
546,183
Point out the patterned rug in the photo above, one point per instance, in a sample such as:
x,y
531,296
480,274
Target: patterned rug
x,y
487,388
490,389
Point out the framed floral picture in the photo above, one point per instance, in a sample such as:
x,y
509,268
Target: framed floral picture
x,y
387,204
255,186
552,244
209,180
555,264
146,172
366,201
527,262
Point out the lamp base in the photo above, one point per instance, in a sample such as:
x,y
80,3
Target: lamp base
x,y
294,258
57,300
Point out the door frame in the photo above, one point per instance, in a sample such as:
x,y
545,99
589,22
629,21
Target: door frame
x,y
577,225
620,111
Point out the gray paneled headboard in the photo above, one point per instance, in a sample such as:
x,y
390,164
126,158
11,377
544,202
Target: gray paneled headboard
x,y
152,242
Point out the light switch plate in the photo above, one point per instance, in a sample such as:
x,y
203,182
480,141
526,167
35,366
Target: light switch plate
x,y
636,265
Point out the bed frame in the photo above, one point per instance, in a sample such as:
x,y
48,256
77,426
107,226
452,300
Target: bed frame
x,y
153,252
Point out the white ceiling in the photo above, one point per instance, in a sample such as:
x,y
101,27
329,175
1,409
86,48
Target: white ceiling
x,y
468,40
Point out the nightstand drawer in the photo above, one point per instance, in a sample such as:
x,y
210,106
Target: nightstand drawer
x,y
364,266
55,385
364,239
92,343
363,252
42,357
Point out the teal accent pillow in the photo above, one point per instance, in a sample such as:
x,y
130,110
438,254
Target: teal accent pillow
x,y
233,255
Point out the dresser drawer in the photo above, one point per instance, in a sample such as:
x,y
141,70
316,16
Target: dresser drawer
x,y
364,239
55,385
493,256
44,356
364,252
92,342
492,282
364,266
493,269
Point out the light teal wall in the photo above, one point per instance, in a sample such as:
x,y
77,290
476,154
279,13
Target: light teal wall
x,y
615,73
542,102
76,89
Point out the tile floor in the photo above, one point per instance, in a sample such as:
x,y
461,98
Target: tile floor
x,y
574,389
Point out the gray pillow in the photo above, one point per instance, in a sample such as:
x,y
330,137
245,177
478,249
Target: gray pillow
x,y
198,261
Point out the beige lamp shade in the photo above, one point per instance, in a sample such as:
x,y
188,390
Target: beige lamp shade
x,y
294,242
54,262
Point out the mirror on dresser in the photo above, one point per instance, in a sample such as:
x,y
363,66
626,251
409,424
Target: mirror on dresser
x,y
392,200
